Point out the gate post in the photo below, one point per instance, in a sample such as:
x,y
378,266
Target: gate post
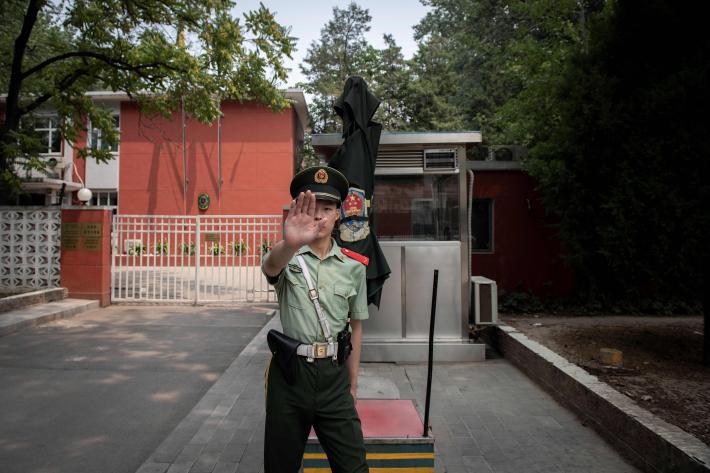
x,y
197,260
86,253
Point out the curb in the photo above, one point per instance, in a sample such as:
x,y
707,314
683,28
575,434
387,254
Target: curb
x,y
647,441
25,317
35,297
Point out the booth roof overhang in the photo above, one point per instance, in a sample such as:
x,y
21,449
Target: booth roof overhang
x,y
407,138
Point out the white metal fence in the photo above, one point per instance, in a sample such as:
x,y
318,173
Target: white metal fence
x,y
29,248
191,258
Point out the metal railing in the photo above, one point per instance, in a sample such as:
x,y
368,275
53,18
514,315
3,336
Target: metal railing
x,y
191,259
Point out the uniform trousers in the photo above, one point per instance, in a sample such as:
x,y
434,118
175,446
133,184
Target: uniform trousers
x,y
319,398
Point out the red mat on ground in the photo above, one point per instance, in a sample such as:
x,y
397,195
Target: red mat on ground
x,y
388,418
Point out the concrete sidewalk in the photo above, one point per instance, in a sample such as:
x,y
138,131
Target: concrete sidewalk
x,y
486,417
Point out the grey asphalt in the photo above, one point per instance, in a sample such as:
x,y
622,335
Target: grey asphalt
x,y
99,392
155,389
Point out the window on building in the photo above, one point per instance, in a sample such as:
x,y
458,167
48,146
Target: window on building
x,y
482,225
96,142
105,198
47,127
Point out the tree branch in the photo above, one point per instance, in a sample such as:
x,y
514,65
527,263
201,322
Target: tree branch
x,y
13,93
67,81
117,63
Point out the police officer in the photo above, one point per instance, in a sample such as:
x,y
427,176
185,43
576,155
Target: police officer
x,y
324,392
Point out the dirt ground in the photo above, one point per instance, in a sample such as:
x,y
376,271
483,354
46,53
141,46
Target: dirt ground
x,y
662,360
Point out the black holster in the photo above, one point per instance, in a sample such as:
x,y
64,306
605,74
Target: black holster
x,y
345,345
284,348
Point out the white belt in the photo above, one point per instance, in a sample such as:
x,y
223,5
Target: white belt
x,y
317,350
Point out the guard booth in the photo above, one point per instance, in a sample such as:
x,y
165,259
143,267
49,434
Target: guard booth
x,y
421,206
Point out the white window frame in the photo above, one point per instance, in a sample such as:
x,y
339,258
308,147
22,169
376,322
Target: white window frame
x,y
114,114
102,198
51,129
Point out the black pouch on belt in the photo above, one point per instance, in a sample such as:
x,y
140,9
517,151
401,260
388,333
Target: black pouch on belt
x,y
284,348
345,345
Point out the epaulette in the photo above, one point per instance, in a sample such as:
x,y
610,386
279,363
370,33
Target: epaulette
x,y
356,256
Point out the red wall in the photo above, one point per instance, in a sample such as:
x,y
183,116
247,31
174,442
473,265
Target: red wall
x,y
527,252
86,271
257,162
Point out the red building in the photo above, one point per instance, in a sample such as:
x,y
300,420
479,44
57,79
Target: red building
x,y
243,163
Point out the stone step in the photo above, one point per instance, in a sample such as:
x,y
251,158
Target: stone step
x,y
30,316
30,298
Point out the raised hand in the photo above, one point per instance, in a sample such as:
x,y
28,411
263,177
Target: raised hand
x,y
301,227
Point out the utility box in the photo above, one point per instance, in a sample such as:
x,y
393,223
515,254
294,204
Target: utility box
x,y
484,301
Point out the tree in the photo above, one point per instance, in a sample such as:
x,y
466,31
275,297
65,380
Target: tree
x,y
431,101
391,84
59,51
341,52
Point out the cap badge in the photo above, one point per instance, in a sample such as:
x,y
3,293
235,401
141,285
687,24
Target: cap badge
x,y
321,176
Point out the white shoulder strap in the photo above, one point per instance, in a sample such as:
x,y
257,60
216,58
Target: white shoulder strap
x,y
313,294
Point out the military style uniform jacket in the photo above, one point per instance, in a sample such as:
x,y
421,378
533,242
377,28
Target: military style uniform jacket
x,y
342,291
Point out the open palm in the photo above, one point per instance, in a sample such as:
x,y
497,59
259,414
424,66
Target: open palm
x,y
301,227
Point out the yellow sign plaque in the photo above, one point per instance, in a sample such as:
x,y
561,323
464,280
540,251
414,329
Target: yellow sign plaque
x,y
70,242
92,243
71,229
91,229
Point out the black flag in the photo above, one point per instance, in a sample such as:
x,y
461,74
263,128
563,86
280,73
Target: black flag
x,y
356,159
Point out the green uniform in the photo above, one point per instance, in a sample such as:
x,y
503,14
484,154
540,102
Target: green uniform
x,y
320,398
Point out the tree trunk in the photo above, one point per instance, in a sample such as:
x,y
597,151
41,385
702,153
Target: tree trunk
x,y
705,295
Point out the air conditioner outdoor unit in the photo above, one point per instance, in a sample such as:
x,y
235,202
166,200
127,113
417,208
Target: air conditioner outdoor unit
x,y
484,300
440,160
507,153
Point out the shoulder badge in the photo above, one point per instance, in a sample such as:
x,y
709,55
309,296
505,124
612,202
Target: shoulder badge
x,y
356,256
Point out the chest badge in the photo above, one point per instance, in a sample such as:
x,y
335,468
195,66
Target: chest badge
x,y
294,268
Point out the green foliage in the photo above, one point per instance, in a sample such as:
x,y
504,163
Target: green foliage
x,y
341,52
307,154
159,52
239,248
622,168
161,248
604,94
520,302
265,247
137,250
215,249
188,249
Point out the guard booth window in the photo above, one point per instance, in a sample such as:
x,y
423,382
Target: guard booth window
x,y
482,226
422,207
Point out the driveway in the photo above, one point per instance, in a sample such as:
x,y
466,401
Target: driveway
x,y
99,392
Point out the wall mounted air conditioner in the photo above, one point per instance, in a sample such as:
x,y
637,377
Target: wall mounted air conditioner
x,y
484,300
440,160
507,153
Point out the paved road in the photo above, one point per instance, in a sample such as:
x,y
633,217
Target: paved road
x,y
100,392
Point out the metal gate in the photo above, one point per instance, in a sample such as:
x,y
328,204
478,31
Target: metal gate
x,y
192,259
